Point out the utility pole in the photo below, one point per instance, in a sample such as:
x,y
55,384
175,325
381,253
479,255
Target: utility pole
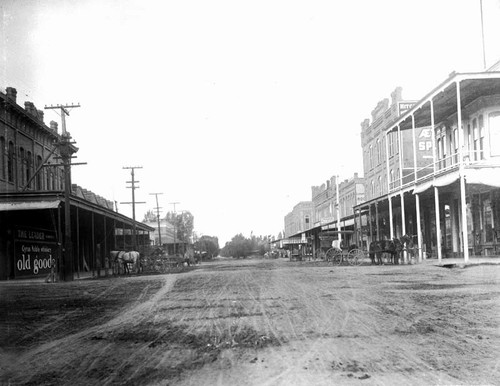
x,y
66,150
158,216
482,34
175,219
133,187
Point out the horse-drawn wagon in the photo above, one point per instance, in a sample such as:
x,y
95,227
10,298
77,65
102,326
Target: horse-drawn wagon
x,y
333,250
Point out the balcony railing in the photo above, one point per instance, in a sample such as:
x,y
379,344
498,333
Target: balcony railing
x,y
438,168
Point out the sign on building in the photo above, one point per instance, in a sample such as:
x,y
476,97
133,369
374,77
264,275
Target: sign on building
x,y
35,252
404,107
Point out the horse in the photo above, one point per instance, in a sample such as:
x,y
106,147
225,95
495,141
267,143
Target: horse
x,y
126,258
409,246
377,249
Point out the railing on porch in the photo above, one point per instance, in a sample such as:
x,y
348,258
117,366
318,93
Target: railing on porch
x,y
441,167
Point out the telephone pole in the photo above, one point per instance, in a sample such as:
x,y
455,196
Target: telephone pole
x,y
175,228
66,150
158,215
133,187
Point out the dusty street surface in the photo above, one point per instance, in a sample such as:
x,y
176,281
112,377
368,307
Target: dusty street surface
x,y
257,322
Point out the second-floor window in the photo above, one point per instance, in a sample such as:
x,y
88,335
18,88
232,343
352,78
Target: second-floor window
x,y
2,157
481,136
494,124
39,175
10,162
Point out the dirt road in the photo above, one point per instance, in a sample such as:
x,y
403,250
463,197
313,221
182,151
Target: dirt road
x,y
257,322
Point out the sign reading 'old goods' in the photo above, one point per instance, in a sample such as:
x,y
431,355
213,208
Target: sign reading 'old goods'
x,y
35,252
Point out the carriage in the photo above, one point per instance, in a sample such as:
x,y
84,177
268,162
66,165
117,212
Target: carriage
x,y
333,251
345,255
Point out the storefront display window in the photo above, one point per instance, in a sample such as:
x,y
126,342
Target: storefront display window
x,y
488,220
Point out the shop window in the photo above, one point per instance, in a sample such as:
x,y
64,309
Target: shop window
x,y
488,221
447,228
494,124
470,225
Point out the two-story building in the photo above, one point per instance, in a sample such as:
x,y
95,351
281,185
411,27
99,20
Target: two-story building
x,y
33,222
442,171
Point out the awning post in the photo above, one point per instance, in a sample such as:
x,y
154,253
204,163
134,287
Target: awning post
x,y
463,204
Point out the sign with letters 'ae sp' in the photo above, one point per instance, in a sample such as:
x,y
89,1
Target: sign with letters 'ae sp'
x,y
35,252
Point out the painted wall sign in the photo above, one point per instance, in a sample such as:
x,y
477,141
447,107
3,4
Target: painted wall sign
x,y
35,252
405,106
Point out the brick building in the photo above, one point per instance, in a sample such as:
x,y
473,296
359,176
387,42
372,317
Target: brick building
x,y
32,197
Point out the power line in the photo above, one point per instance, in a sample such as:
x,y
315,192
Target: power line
x,y
66,151
133,187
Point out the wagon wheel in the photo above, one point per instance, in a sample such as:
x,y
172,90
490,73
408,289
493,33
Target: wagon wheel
x,y
355,257
334,255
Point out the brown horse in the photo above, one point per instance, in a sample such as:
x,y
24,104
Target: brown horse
x,y
377,249
392,249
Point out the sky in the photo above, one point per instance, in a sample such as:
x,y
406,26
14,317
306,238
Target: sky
x,y
233,109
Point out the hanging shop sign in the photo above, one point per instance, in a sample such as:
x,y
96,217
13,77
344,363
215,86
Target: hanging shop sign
x,y
35,252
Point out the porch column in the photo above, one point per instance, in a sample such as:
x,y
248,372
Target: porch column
x,y
391,225
93,246
114,234
105,254
370,222
376,221
438,223
403,220
419,230
77,242
436,190
360,235
463,204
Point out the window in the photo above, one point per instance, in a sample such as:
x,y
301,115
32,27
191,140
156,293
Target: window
x,y
379,153
10,162
475,138
455,145
481,137
488,221
28,165
50,179
38,185
468,141
371,157
2,157
494,122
